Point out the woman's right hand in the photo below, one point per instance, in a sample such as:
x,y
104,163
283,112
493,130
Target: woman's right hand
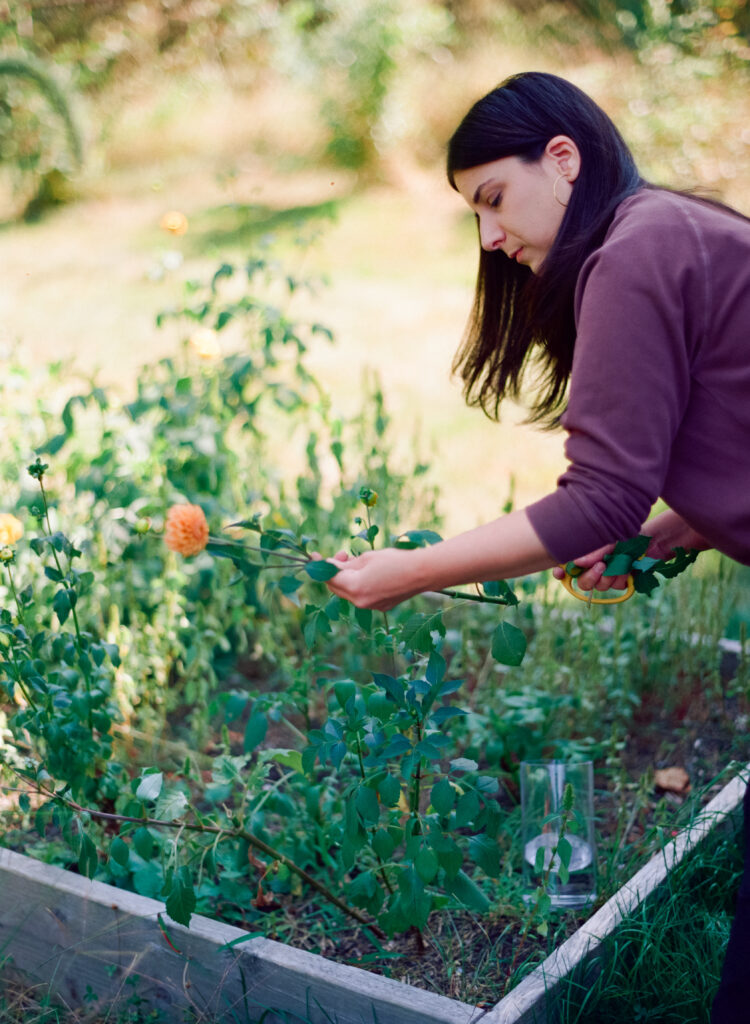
x,y
667,531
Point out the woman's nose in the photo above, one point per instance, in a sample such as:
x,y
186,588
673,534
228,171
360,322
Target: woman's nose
x,y
491,235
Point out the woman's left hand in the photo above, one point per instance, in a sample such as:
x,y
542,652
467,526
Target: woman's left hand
x,y
378,579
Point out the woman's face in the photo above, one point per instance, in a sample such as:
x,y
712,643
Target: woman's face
x,y
520,206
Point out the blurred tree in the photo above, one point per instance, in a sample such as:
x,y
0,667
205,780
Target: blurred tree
x,y
39,138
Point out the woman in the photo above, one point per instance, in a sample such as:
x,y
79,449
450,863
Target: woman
x,y
631,305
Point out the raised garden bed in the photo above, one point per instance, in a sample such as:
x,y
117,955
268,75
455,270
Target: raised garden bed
x,y
95,944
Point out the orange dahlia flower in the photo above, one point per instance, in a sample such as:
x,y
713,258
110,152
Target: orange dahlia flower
x,y
11,529
175,222
186,529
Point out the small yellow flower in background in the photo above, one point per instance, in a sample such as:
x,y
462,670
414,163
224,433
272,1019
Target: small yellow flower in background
x,y
205,343
175,222
11,529
186,529
7,555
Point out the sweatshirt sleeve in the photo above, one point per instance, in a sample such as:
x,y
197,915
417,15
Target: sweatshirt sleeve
x,y
639,310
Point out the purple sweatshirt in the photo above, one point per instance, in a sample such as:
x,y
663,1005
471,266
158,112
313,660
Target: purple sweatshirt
x,y
659,400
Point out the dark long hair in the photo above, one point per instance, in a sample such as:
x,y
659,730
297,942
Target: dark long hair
x,y
518,317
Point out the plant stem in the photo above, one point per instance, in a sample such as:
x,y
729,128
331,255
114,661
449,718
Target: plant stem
x,y
481,598
416,791
69,587
381,865
20,682
15,595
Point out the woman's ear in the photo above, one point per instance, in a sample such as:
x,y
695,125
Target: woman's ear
x,y
565,156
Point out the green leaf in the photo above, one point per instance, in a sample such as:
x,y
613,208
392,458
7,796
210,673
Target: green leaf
x,y
317,624
288,758
645,582
416,635
363,618
415,903
171,804
321,570
150,786
508,644
180,902
618,565
467,808
395,688
486,854
464,764
87,857
443,797
53,446
383,844
426,864
143,842
468,893
333,608
644,564
61,605
449,854
443,714
417,539
344,690
500,589
119,851
352,826
289,585
564,851
255,731
390,790
366,802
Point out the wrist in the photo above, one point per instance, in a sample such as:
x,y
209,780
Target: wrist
x,y
422,574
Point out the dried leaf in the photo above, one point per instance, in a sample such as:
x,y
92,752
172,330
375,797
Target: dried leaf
x,y
672,780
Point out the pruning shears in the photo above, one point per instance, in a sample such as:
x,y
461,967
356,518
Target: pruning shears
x,y
629,559
572,571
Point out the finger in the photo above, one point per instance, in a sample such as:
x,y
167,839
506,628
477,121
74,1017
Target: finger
x,y
613,583
589,580
590,560
558,572
342,556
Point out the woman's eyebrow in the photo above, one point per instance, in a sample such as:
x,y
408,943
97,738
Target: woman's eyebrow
x,y
479,189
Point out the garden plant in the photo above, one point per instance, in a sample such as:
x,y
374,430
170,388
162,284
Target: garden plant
x,y
190,713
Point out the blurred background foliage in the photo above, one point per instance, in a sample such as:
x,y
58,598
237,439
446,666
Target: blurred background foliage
x,y
364,73
323,121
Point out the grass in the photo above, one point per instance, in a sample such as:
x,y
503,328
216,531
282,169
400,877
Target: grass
x,y
647,970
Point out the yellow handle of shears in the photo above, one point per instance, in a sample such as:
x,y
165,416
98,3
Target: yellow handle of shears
x,y
587,596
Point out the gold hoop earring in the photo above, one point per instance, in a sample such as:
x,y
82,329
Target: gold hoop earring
x,y
554,189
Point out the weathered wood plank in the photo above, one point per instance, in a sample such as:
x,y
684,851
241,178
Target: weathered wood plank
x,y
529,1001
82,936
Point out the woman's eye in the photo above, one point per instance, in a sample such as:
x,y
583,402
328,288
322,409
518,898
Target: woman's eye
x,y
496,200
